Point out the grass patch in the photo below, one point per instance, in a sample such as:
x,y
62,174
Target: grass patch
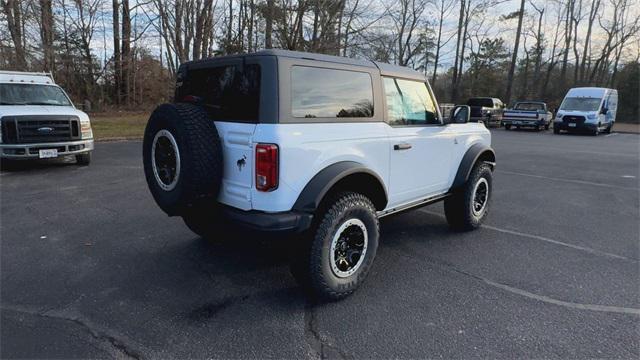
x,y
118,125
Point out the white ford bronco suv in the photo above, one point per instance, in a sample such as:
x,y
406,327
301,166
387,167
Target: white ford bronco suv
x,y
37,120
316,145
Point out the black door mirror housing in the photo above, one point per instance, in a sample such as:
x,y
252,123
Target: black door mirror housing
x,y
460,114
604,111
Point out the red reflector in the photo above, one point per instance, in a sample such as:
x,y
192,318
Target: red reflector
x,y
266,167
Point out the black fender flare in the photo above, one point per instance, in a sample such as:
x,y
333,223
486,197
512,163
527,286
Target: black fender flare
x,y
475,153
316,189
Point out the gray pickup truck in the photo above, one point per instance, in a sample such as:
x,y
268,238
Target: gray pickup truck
x,y
532,114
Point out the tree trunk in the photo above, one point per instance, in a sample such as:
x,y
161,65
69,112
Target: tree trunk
x,y
514,57
269,25
126,51
454,81
13,12
117,68
46,34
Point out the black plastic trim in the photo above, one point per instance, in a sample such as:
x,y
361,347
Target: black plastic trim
x,y
313,193
469,159
286,222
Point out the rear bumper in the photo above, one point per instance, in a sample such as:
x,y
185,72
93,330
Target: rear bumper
x,y
281,222
31,151
523,122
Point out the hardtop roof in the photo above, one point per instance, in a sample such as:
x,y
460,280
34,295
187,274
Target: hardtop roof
x,y
384,68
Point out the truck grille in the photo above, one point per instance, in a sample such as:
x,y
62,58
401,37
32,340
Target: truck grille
x,y
39,129
573,119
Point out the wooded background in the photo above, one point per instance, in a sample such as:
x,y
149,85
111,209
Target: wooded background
x,y
123,54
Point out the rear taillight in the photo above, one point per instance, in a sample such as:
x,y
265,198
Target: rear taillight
x,y
266,167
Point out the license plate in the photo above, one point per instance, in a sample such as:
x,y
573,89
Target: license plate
x,y
48,153
572,125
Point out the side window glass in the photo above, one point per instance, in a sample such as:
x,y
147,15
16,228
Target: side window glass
x,y
409,103
330,93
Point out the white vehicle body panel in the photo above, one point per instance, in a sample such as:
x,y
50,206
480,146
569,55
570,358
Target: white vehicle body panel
x,y
425,170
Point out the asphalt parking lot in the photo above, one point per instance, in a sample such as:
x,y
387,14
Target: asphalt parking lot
x,y
91,268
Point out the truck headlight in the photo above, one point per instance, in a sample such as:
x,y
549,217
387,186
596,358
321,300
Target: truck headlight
x,y
85,130
592,116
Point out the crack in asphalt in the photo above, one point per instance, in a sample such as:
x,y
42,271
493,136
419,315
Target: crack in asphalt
x,y
121,346
320,344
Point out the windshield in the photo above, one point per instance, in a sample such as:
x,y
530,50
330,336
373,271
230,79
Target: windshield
x,y
32,94
485,102
581,104
529,106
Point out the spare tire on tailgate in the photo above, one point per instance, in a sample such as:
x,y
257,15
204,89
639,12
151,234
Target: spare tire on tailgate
x,y
182,158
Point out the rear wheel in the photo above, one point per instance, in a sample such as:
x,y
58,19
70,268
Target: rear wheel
x,y
546,126
556,130
507,126
83,159
342,248
468,207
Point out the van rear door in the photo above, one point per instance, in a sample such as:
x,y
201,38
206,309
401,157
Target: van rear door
x,y
229,89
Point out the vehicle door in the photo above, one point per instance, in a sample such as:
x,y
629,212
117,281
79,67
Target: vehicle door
x,y
420,146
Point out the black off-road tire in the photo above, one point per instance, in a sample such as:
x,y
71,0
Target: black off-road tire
x,y
313,268
83,159
458,208
200,156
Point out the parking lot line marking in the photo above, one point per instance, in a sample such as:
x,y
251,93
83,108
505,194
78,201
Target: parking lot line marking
x,y
567,180
546,299
542,238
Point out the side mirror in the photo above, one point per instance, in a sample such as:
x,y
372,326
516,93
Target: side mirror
x,y
604,111
460,114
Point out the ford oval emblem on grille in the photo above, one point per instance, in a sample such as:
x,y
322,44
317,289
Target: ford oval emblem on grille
x,y
45,129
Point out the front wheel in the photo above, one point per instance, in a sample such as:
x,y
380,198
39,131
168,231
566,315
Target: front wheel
x,y
546,126
507,126
342,247
467,208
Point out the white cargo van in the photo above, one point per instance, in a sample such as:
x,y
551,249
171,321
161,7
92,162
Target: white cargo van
x,y
588,109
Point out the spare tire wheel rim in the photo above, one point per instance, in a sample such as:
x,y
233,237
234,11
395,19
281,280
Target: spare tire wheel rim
x,y
165,160
348,248
480,197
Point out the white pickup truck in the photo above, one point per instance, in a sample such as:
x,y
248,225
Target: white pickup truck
x,y
37,120
532,114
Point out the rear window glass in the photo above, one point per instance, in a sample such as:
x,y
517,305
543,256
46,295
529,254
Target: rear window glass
x,y
327,93
228,93
480,102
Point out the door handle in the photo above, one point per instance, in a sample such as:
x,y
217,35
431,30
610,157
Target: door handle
x,y
403,146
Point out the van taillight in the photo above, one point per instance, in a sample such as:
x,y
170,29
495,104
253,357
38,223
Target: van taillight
x,y
266,167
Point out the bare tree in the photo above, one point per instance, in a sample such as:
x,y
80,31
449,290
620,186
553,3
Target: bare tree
x,y
46,35
514,56
13,12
